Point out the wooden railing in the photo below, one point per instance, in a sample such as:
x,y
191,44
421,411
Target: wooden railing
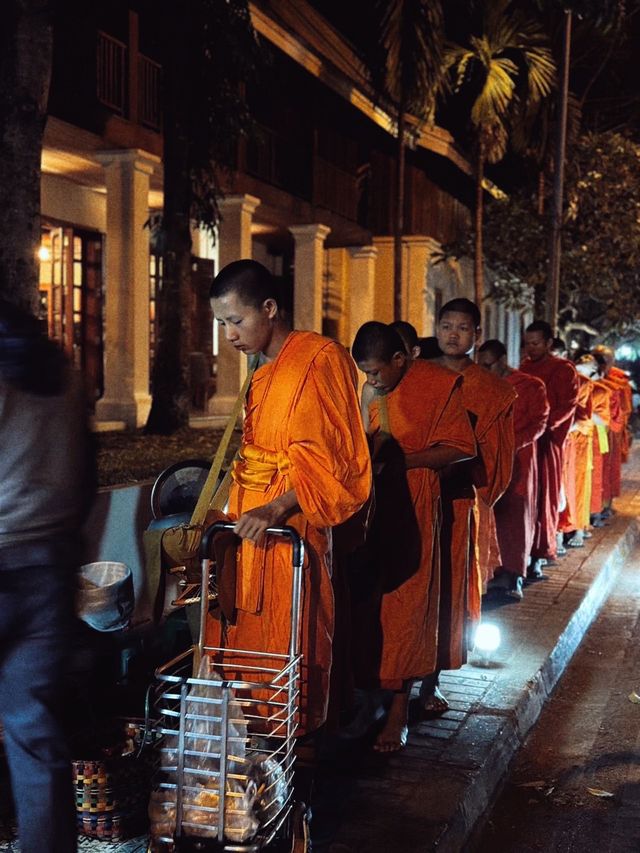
x,y
111,75
117,82
285,163
149,77
335,189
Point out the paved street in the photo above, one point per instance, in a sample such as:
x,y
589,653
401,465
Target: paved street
x,y
587,737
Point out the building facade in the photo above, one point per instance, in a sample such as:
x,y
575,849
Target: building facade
x,y
310,197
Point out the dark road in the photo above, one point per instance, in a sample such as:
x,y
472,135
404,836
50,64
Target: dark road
x,y
575,786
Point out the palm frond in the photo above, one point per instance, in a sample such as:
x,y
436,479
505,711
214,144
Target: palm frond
x,y
412,35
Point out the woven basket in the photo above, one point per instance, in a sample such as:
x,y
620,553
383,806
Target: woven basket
x,y
112,795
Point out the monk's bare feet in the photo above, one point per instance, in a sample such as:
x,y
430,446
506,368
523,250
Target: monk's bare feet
x,y
395,732
435,703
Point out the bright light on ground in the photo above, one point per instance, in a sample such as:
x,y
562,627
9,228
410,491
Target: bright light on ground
x,y
487,638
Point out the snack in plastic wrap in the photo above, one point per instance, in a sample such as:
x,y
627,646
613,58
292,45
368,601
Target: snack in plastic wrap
x,y
201,778
271,786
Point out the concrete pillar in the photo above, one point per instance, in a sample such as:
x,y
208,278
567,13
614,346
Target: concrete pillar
x,y
234,244
384,279
335,313
308,275
415,263
362,288
126,377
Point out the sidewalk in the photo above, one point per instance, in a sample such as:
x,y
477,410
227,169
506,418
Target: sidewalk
x,y
432,794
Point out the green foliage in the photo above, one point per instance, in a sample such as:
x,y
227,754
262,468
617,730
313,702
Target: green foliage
x,y
600,262
510,66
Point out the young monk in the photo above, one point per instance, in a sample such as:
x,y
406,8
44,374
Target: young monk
x,y
578,455
602,404
620,378
469,491
410,340
561,381
515,511
419,405
612,462
304,461
587,418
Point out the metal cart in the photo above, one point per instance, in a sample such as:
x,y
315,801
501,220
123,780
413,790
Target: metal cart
x,y
227,745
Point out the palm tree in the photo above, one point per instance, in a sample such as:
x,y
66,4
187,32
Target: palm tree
x,y
508,67
409,72
26,40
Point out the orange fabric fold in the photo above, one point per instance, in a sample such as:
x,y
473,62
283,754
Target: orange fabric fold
x,y
302,430
398,637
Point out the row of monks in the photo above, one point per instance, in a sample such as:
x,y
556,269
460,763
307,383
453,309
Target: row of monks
x,y
476,470
499,471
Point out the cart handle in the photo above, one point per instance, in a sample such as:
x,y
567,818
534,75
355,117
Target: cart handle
x,y
286,531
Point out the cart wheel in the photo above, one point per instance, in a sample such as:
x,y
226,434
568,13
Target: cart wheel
x,y
301,832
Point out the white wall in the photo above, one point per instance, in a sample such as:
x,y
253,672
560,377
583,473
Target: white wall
x,y
65,201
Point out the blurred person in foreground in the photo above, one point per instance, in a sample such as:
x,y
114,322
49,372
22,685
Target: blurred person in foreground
x,y
46,485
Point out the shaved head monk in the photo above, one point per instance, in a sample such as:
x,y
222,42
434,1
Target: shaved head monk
x,y
303,461
617,378
612,461
561,381
469,546
417,407
409,337
515,511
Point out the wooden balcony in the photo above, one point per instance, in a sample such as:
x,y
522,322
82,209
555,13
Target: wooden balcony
x,y
128,82
288,165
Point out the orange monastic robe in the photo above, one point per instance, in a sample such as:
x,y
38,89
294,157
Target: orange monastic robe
x,y
302,430
626,401
516,510
612,473
561,380
578,452
601,407
468,542
424,410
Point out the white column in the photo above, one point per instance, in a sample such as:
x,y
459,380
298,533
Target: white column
x,y
415,307
384,279
362,288
126,377
308,272
234,244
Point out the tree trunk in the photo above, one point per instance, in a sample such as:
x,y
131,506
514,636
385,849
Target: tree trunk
x,y
478,264
541,188
399,211
170,379
553,279
26,41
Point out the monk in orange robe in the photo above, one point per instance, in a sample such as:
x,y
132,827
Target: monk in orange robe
x,y
469,544
304,461
417,408
515,511
612,468
561,381
578,456
601,403
620,378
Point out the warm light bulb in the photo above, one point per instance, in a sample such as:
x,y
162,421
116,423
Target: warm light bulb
x,y
44,254
487,638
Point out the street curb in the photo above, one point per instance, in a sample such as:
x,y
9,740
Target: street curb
x,y
485,785
435,794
